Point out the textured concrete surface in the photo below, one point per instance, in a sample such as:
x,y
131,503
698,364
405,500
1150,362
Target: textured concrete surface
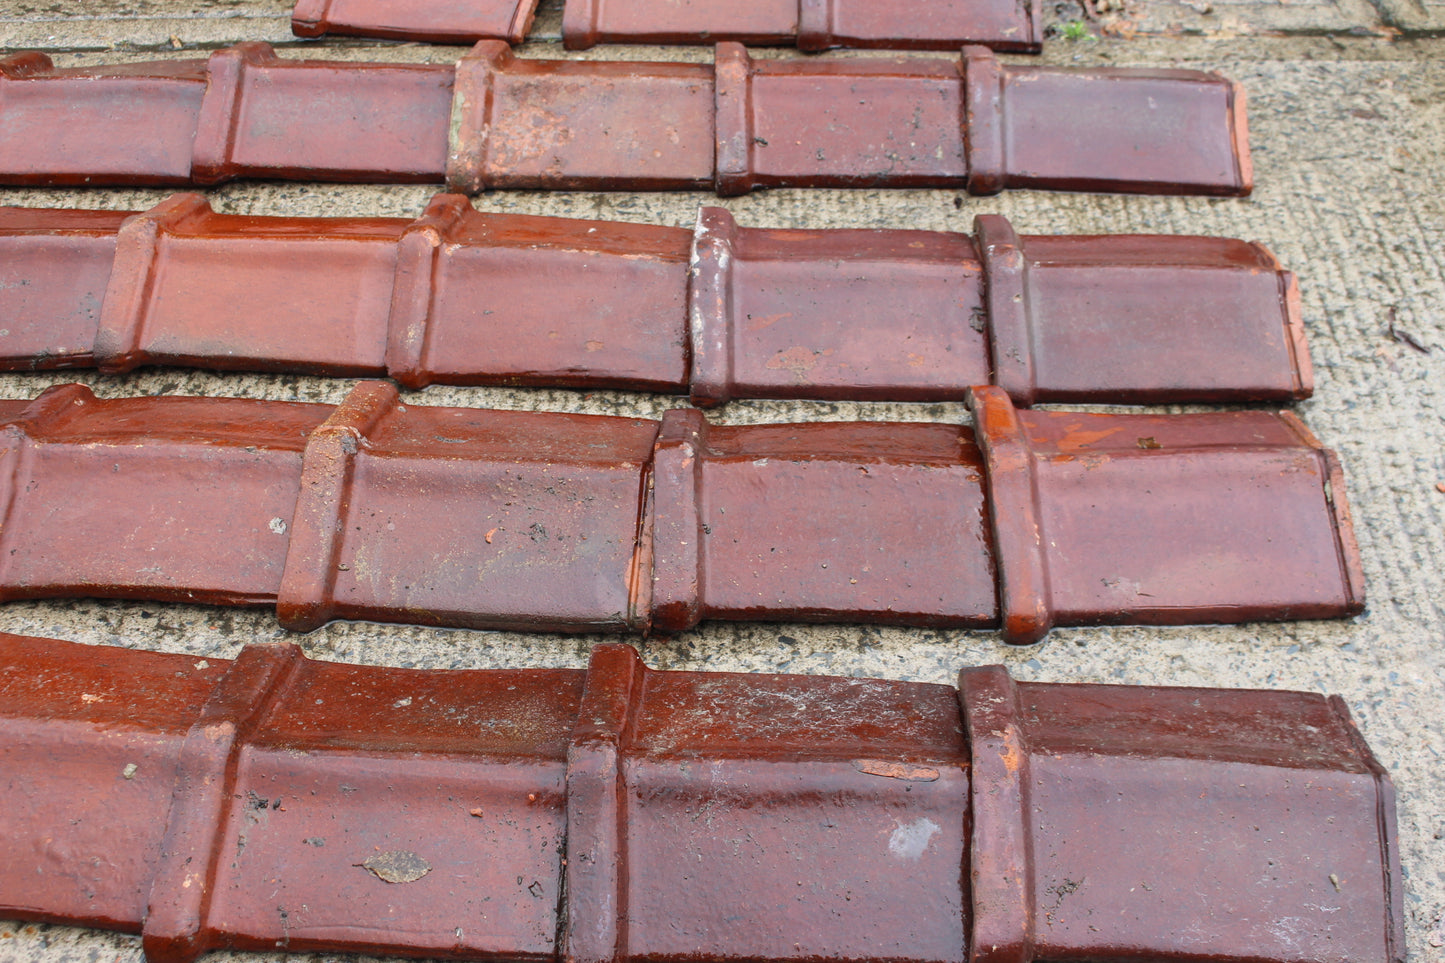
x,y
1347,115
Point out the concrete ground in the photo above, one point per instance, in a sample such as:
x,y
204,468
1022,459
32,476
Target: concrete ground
x,y
1347,122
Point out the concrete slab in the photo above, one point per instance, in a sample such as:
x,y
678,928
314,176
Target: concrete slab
x,y
1349,140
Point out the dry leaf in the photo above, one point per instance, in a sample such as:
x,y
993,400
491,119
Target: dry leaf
x,y
397,866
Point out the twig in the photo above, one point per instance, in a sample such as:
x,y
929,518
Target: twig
x,y
1404,337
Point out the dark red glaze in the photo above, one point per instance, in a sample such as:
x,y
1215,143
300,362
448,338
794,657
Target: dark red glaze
x,y
455,516
462,297
496,121
431,21
1011,25
621,814
1092,524
244,112
810,24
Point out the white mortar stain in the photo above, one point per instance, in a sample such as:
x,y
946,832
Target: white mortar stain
x,y
909,840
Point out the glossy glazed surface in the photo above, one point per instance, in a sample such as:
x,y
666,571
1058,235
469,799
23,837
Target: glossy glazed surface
x,y
499,121
381,510
623,814
461,297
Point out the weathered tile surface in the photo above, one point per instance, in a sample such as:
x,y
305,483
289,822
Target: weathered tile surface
x,y
1348,128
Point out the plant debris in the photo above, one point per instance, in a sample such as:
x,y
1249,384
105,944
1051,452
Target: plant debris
x,y
1404,337
397,866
